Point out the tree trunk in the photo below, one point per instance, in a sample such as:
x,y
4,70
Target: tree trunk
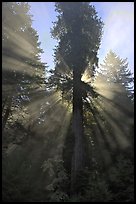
x,y
78,153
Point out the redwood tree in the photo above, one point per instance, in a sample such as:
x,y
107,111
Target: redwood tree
x,y
78,31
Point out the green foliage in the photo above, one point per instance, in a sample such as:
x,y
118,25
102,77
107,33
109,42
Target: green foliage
x,y
92,188
57,188
97,190
121,180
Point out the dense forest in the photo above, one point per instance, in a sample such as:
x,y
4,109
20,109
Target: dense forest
x,y
67,132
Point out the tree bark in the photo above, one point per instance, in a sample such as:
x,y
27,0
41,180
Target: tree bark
x,y
78,159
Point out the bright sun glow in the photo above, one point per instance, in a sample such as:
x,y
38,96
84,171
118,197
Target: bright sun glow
x,y
86,77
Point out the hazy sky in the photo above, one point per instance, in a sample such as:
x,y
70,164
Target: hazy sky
x,y
118,35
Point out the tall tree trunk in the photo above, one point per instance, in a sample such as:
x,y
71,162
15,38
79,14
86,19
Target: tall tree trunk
x,y
79,152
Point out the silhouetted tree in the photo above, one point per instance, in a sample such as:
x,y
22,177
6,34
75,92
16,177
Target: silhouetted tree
x,y
78,31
